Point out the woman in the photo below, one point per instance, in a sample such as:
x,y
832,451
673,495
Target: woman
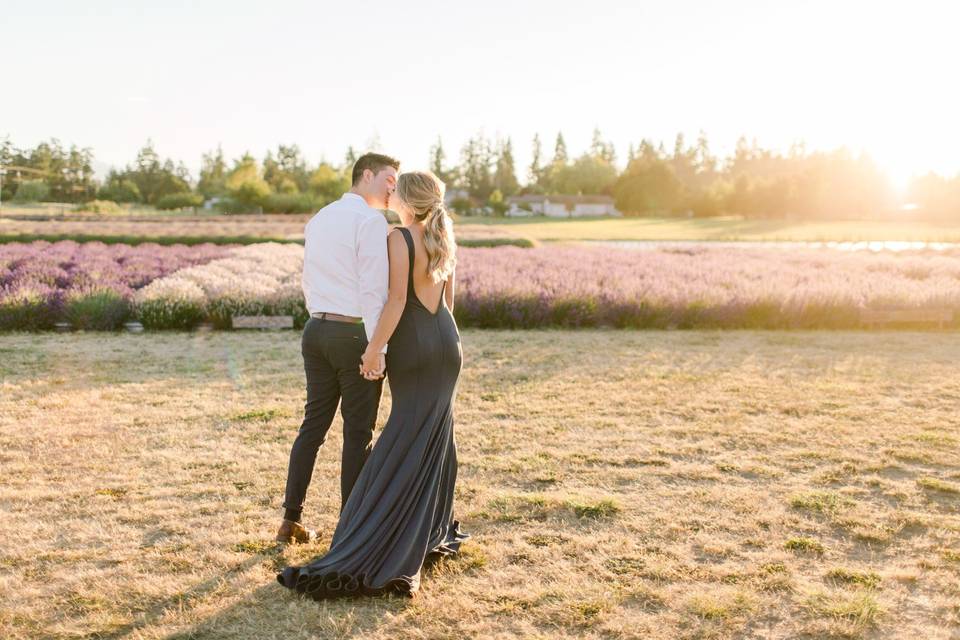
x,y
400,512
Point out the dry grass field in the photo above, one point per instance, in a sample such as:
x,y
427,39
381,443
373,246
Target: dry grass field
x,y
724,228
275,227
538,229
279,227
617,485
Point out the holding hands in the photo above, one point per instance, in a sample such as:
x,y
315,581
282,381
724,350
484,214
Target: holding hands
x,y
373,365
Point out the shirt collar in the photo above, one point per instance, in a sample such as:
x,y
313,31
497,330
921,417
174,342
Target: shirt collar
x,y
350,194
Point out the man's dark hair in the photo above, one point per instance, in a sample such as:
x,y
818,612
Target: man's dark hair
x,y
376,162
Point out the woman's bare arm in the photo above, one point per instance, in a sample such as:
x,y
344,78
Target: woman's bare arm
x,y
396,299
448,292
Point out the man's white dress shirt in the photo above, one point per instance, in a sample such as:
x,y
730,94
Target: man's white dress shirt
x,y
345,264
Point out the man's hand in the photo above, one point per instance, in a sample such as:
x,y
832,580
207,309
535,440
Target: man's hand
x,y
372,365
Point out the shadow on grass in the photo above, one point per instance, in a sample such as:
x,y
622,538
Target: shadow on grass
x,y
184,600
258,613
264,611
166,357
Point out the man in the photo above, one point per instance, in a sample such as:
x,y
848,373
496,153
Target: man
x,y
345,280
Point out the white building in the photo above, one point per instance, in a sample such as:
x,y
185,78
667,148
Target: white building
x,y
452,195
560,206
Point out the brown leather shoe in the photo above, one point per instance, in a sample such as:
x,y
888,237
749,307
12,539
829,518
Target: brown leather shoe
x,y
295,533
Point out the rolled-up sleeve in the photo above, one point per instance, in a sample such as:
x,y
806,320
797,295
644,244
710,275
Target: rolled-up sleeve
x,y
373,268
306,278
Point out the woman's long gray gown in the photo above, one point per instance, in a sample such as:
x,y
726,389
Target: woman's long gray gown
x,y
400,511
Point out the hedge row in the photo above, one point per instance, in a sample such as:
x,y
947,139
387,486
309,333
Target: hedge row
x,y
194,240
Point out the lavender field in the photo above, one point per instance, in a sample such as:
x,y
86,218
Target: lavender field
x,y
697,287
95,286
90,285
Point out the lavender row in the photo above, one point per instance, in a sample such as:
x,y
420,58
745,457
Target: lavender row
x,y
696,287
572,286
90,285
709,287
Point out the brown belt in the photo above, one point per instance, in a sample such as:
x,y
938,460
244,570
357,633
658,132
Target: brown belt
x,y
323,315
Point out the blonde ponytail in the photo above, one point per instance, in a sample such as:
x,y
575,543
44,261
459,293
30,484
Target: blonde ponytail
x,y
423,192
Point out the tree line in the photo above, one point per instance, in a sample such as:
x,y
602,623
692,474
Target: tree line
x,y
687,179
283,182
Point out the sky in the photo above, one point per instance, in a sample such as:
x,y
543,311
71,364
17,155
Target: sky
x,y
872,76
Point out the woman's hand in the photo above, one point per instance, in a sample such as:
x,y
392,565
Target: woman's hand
x,y
372,365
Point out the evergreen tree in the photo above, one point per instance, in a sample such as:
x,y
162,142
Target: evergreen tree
x,y
560,157
476,158
213,174
437,160
288,172
601,149
535,173
350,159
706,163
505,177
597,146
154,177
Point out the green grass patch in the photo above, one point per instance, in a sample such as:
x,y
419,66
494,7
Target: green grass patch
x,y
523,243
951,555
722,228
469,558
862,609
720,606
596,510
773,568
909,455
255,546
936,438
820,501
538,507
935,484
260,415
806,545
544,540
624,565
867,579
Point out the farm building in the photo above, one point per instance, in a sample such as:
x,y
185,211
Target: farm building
x,y
561,206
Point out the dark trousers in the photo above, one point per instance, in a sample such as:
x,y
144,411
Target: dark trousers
x,y
331,359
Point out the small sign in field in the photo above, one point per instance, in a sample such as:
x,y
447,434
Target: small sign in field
x,y
263,322
876,317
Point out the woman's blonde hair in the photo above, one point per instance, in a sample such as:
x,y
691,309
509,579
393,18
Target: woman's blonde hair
x,y
423,193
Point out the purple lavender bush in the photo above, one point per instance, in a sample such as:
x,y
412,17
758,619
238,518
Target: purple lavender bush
x,y
94,285
699,287
90,285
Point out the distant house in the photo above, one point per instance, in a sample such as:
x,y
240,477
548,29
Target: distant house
x,y
453,195
210,203
560,206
